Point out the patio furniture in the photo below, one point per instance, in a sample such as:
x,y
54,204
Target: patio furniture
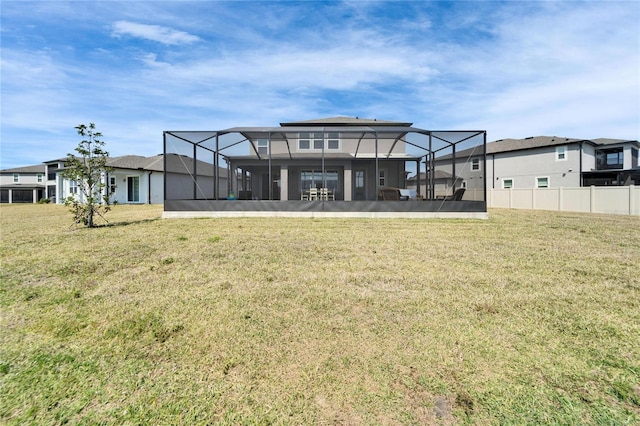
x,y
389,194
313,194
326,194
457,195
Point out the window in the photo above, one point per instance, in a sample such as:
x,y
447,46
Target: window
x,y
39,177
542,182
333,140
315,141
475,164
561,153
262,146
16,177
507,183
112,185
382,177
634,158
314,179
610,159
73,187
463,184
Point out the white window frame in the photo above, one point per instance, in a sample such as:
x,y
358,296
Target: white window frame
x,y
561,153
463,184
39,177
131,197
382,178
113,184
16,178
262,143
475,164
538,178
504,181
313,138
333,139
73,187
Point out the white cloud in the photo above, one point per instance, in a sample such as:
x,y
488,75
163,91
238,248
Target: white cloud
x,y
157,33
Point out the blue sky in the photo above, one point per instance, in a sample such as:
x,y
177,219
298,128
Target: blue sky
x,y
136,68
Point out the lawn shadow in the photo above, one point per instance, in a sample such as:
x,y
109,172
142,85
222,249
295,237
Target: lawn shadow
x,y
126,223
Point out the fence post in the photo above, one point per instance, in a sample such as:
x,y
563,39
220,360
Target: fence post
x,y
592,199
560,199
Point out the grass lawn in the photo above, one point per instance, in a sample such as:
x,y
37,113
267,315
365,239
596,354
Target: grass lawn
x,y
529,317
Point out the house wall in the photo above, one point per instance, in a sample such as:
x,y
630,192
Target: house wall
x,y
588,157
348,144
524,167
6,179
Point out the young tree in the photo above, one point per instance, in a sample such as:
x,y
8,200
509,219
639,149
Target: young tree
x,y
88,169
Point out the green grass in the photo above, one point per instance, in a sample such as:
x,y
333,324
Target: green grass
x,y
529,317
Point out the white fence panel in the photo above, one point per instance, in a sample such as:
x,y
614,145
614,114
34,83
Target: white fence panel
x,y
623,200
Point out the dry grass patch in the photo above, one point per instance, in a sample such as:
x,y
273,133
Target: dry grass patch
x,y
528,317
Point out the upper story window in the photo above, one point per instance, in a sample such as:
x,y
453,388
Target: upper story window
x,y
507,183
610,159
39,177
262,145
316,141
634,158
333,140
475,164
51,171
73,187
16,177
561,153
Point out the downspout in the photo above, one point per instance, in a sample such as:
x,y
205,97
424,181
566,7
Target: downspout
x,y
149,189
493,171
581,183
164,168
377,169
270,178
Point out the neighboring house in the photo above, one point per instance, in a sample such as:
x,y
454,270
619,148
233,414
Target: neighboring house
x,y
544,162
443,183
350,159
23,184
133,179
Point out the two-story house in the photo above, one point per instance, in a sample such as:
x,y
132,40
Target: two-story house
x,y
23,184
353,162
545,162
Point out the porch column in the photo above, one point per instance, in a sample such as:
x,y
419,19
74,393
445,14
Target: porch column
x,y
284,182
10,196
35,195
347,182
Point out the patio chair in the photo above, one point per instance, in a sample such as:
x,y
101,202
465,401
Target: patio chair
x,y
457,196
313,194
389,194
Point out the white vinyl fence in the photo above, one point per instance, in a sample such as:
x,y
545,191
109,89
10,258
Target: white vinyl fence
x,y
624,200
